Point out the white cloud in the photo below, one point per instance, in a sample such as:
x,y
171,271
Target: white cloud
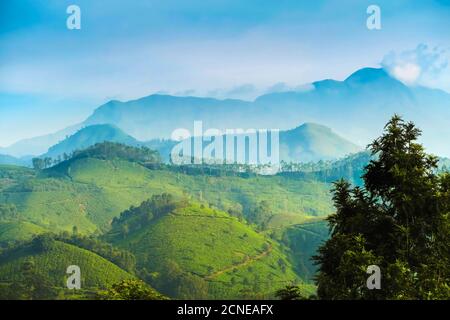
x,y
407,72
420,66
284,87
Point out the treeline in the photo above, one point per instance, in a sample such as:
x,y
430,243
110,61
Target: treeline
x,y
111,150
350,168
30,285
42,243
105,150
123,258
216,170
156,207
174,282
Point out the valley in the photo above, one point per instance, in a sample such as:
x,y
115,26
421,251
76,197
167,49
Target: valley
x,y
224,242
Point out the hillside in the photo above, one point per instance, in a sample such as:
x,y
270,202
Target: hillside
x,y
303,240
313,142
308,142
262,227
14,230
89,193
50,262
89,136
202,252
350,168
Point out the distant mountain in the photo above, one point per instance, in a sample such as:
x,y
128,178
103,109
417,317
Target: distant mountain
x,y
356,108
38,145
164,147
6,159
89,136
156,116
313,142
308,142
362,104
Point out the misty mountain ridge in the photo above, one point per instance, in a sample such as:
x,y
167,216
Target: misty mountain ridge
x,y
308,142
356,108
312,142
89,136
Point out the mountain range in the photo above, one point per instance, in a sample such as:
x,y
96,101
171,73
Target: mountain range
x,y
355,108
308,142
89,136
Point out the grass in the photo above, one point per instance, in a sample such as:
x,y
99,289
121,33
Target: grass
x,y
96,272
233,259
18,230
214,254
94,191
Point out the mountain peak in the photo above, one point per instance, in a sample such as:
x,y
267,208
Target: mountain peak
x,y
313,142
311,128
313,125
367,75
91,135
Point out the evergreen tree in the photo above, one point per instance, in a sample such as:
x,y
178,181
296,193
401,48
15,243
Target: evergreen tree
x,y
130,290
398,221
290,292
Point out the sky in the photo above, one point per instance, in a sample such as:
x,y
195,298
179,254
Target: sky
x,y
52,77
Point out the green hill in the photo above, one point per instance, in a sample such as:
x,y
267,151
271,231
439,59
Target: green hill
x,y
89,193
18,230
50,262
303,241
218,246
192,251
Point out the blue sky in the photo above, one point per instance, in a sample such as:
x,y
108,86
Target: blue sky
x,y
51,77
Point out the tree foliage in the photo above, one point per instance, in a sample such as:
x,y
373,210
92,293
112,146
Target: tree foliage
x,y
290,292
156,207
399,221
130,290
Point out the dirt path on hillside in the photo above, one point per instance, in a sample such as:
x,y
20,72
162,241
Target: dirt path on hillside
x,y
240,265
201,216
246,262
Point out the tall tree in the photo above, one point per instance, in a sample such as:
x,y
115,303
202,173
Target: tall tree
x,y
131,289
398,221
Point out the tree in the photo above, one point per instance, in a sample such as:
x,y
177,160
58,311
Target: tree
x,y
38,163
47,162
131,290
290,292
399,221
33,285
43,243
